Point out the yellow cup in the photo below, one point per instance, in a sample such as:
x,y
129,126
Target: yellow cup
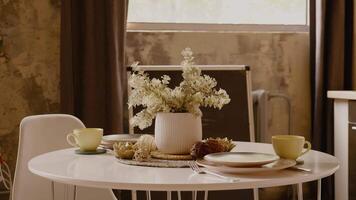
x,y
290,146
87,139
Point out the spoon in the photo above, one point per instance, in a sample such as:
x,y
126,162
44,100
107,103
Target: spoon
x,y
302,169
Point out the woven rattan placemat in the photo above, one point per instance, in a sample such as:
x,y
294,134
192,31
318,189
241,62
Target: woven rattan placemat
x,y
157,163
160,155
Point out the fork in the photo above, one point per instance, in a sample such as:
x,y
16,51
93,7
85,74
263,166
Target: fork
x,y
194,166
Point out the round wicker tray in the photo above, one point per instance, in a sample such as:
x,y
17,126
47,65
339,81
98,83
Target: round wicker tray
x,y
160,155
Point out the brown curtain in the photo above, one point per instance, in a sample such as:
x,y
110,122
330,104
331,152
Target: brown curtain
x,y
331,27
92,61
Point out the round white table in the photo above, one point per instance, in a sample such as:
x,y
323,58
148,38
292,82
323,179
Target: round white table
x,y
104,171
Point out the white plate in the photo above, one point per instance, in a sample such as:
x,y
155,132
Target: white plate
x,y
241,159
274,166
120,138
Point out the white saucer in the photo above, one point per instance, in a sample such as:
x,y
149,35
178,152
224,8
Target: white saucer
x,y
120,138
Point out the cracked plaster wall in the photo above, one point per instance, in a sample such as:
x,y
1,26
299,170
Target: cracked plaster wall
x,y
29,65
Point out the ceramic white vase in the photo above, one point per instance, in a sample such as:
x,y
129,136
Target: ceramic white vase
x,y
175,133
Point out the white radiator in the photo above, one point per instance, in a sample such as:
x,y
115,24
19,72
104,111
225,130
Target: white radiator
x,y
261,100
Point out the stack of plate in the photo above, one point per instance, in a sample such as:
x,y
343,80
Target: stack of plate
x,y
109,140
244,162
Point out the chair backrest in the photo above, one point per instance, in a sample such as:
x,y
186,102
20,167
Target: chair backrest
x,y
39,134
235,120
5,177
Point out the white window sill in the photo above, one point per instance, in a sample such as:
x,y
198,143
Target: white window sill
x,y
169,27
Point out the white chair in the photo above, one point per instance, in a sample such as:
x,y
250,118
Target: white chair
x,y
40,134
5,177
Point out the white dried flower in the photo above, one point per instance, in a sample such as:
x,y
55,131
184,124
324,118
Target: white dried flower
x,y
135,66
155,96
187,54
166,79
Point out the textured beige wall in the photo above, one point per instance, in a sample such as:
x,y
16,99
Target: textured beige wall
x,y
29,65
279,62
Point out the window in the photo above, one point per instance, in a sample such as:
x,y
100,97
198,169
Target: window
x,y
197,14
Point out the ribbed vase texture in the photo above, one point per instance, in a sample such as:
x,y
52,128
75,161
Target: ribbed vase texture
x,y
175,133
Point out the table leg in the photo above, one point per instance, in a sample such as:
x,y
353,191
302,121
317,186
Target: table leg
x,y
169,195
133,195
194,195
179,195
52,190
300,191
66,192
206,193
255,194
148,195
74,192
319,190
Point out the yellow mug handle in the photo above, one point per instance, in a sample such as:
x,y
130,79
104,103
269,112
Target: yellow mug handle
x,y
71,140
308,148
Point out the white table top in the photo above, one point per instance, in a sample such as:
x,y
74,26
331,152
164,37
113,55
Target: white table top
x,y
342,94
104,171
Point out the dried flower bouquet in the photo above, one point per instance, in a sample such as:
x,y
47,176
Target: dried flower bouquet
x,y
156,96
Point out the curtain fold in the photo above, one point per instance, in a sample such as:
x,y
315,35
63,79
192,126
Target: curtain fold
x,y
331,31
93,74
